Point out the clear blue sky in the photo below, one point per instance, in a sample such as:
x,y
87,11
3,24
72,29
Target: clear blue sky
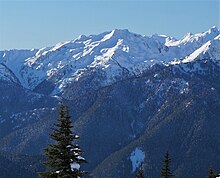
x,y
35,24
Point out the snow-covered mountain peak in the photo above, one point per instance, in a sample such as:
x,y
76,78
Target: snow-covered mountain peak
x,y
209,34
213,30
120,32
81,38
112,52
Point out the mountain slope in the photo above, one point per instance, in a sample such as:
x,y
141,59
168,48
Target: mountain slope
x,y
128,94
186,124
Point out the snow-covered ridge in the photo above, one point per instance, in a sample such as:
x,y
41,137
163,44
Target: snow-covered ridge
x,y
112,52
210,49
196,39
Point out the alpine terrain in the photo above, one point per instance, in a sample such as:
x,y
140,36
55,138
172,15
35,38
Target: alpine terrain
x,y
131,97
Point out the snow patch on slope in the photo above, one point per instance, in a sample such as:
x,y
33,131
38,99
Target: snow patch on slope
x,y
201,51
136,158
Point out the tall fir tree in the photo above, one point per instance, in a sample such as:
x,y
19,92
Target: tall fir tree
x,y
140,172
165,171
63,156
211,173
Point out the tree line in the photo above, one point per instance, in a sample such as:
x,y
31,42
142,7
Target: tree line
x,y
167,173
64,157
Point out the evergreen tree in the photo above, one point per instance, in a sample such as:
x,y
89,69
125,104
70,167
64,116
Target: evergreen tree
x,y
140,172
165,171
211,173
64,157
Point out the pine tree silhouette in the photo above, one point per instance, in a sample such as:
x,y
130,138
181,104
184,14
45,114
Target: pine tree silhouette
x,y
140,172
211,173
165,171
64,157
